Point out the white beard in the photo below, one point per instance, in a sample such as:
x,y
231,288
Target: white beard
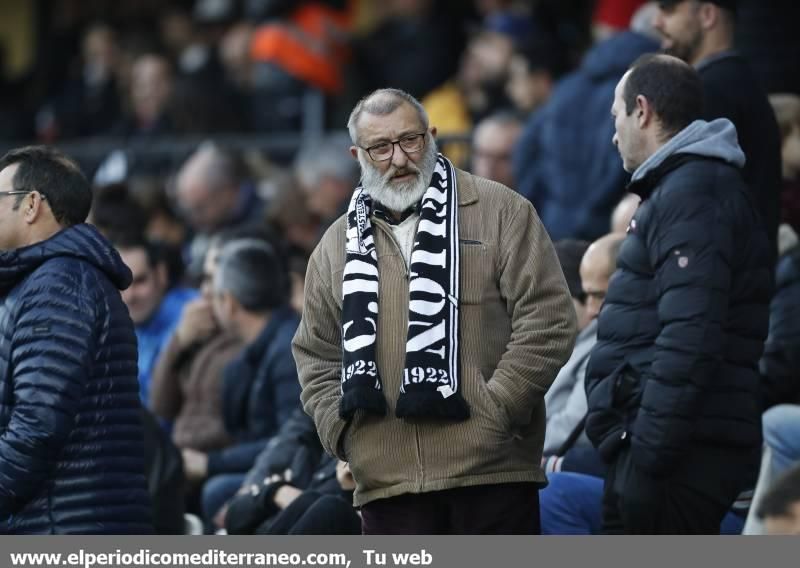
x,y
398,196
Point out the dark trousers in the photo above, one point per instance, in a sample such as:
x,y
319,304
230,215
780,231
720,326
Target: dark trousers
x,y
510,508
314,513
688,501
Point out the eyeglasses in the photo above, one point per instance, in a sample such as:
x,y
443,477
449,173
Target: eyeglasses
x,y
410,144
23,192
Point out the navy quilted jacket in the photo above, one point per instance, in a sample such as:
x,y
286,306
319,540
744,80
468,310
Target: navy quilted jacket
x,y
71,442
683,325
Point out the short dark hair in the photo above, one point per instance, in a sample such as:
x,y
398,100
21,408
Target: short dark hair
x,y
784,493
153,251
673,88
58,178
116,213
254,274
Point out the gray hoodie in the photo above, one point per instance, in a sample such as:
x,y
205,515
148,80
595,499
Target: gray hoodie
x,y
715,139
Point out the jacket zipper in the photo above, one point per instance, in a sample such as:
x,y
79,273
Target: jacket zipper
x,y
383,226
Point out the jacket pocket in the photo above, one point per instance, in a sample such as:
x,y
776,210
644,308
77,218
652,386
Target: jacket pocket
x,y
612,407
346,443
497,411
473,258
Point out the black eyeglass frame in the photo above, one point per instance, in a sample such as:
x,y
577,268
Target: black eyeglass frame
x,y
24,192
399,142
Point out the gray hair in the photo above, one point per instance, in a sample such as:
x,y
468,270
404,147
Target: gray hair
x,y
327,157
380,103
251,271
219,166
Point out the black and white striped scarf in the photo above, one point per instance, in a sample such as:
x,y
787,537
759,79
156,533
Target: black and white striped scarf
x,y
431,379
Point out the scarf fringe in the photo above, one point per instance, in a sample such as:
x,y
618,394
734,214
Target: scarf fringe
x,y
422,405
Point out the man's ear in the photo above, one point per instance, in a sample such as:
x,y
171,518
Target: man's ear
x,y
33,207
354,152
644,111
433,131
708,15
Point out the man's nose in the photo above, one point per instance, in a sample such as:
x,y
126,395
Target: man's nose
x,y
399,158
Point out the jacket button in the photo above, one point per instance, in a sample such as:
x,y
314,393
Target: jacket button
x,y
624,435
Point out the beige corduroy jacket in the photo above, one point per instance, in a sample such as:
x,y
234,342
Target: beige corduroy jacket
x,y
517,329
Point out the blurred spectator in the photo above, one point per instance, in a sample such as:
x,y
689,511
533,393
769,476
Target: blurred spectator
x,y
416,46
162,226
702,34
299,47
234,53
564,162
624,212
478,88
154,309
787,112
570,377
186,386
570,504
781,506
90,101
115,213
327,175
570,252
780,380
260,387
151,84
493,142
780,363
288,213
295,488
566,399
191,52
213,192
613,16
532,72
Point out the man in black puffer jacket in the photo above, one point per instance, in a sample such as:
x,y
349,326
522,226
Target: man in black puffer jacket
x,y
673,383
71,442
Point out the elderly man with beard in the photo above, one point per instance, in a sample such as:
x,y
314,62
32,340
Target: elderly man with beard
x,y
443,432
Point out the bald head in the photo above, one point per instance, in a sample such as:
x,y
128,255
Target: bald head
x,y
208,187
597,266
623,213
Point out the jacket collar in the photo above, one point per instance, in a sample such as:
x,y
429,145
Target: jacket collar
x,y
467,192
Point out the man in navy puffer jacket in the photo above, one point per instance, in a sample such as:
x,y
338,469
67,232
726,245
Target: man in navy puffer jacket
x,y
673,382
71,442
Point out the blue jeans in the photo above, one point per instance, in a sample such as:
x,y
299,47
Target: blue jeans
x,y
217,491
572,504
782,434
